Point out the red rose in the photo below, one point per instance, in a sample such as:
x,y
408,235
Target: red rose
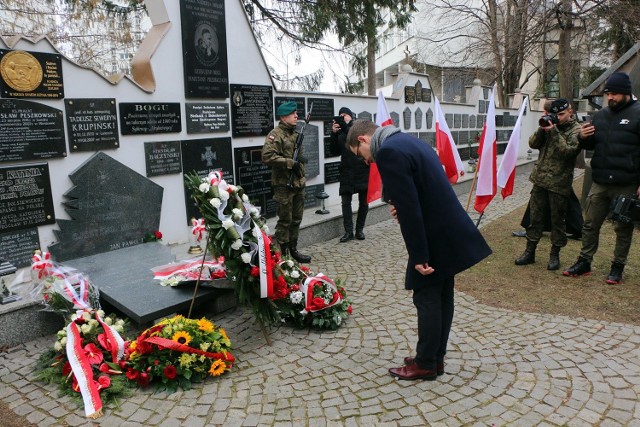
x,y
170,372
143,379
255,271
350,310
319,302
158,235
132,374
295,287
156,362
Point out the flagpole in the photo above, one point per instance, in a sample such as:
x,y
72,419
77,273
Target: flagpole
x,y
473,184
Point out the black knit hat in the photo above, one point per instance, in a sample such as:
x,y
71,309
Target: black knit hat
x,y
345,110
618,83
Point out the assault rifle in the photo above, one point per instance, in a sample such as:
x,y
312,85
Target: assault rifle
x,y
298,146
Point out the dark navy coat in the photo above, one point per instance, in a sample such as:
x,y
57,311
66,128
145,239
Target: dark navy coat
x,y
435,227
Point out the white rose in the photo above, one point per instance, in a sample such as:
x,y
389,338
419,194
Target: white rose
x,y
120,322
85,329
265,228
62,333
237,213
245,198
57,346
86,316
227,224
338,320
295,274
204,187
236,245
224,195
215,202
246,258
101,313
63,341
93,323
119,329
108,321
289,263
254,212
296,297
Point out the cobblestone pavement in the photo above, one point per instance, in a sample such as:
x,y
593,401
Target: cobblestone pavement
x,y
503,367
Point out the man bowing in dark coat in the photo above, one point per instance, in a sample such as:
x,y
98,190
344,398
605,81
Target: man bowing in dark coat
x,y
440,238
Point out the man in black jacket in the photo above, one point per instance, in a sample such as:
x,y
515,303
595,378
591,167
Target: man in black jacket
x,y
614,136
354,177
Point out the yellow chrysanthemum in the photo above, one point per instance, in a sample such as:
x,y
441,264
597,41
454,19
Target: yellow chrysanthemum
x,y
205,325
186,359
182,337
205,346
217,368
224,334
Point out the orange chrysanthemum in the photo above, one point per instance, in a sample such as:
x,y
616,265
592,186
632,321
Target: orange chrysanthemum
x,y
205,325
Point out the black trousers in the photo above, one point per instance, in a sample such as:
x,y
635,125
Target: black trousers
x,y
434,303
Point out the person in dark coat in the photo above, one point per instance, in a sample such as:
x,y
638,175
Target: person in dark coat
x,y
354,177
573,219
440,238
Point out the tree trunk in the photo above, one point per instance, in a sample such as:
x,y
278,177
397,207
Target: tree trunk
x,y
565,62
371,64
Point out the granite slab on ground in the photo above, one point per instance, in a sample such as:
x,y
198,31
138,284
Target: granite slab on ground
x,y
126,282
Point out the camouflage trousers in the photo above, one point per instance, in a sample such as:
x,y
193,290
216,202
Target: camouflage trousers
x,y
290,207
596,210
541,202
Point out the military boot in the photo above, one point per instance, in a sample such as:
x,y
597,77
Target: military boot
x,y
284,249
582,267
615,275
554,258
529,254
300,257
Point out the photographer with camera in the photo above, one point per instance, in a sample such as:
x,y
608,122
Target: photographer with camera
x,y
614,136
354,176
552,178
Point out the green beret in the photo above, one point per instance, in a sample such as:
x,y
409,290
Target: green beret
x,y
286,108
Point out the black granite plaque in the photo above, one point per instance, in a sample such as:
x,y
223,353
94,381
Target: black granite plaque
x,y
429,118
92,124
509,120
142,118
409,95
499,120
406,118
17,246
465,121
395,118
448,117
428,137
418,116
204,47
418,91
331,172
330,151
365,115
464,138
255,178
162,158
29,130
311,150
251,110
25,197
207,117
457,121
327,126
322,108
456,136
279,100
426,95
481,120
472,121
111,206
31,74
203,156
310,191
482,106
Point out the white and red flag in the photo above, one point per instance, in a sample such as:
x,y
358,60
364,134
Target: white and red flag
x,y
446,147
487,154
383,118
507,169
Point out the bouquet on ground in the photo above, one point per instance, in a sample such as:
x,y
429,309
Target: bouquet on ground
x,y
87,358
254,266
189,270
178,351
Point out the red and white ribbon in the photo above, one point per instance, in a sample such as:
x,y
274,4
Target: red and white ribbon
x,y
265,263
198,228
80,297
307,290
83,372
41,262
116,343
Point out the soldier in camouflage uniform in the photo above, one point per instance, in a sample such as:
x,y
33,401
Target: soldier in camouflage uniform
x,y
277,153
552,178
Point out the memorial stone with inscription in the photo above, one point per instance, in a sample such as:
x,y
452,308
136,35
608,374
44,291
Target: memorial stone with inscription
x,y
31,74
207,117
255,178
300,107
406,118
92,124
111,207
138,118
17,246
251,110
311,150
395,118
162,158
331,172
419,117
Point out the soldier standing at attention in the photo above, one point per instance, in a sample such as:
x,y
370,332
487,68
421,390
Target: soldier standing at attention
x,y
277,153
552,177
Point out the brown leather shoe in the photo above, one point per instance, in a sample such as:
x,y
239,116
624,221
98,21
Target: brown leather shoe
x,y
410,360
413,372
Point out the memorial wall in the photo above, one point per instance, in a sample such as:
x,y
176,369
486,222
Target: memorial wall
x,y
211,105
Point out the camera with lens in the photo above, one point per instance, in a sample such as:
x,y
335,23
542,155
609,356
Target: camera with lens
x,y
626,209
340,120
547,119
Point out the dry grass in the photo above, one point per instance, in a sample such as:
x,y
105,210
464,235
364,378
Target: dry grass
x,y
532,288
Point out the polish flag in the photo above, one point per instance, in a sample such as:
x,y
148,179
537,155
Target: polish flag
x,y
447,151
487,154
507,169
383,118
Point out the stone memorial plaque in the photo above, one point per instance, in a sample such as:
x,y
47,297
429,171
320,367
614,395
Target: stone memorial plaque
x,y
204,47
428,137
311,150
426,95
29,130
310,199
331,172
472,121
251,110
429,118
482,106
464,138
203,156
509,120
279,100
409,95
207,117
465,121
92,124
25,197
457,121
17,246
162,158
143,118
499,120
31,74
329,151
395,118
255,178
456,136
481,120
327,126
418,115
501,148
448,117
111,206
418,91
322,108
406,118
365,115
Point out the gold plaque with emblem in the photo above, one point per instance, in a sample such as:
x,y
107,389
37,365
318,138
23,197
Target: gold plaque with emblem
x,y
21,71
